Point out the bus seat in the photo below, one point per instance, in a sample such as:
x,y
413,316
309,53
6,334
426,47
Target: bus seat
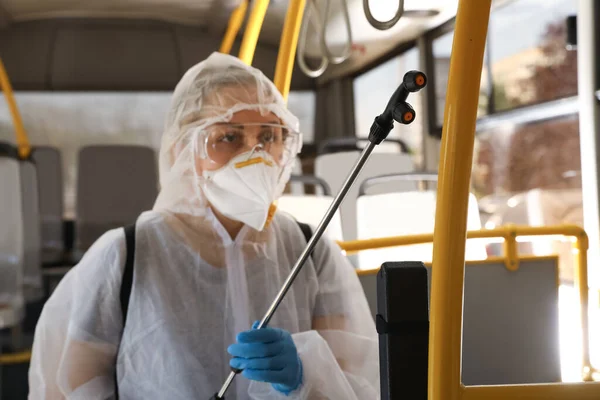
x,y
32,255
334,169
11,239
310,209
115,185
406,213
48,163
510,321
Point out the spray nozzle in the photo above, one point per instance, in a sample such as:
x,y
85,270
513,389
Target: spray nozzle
x,y
397,108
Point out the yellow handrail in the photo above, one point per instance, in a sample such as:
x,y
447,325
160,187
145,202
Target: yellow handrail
x,y
456,156
233,27
255,21
15,358
507,232
510,233
287,46
552,391
21,136
581,280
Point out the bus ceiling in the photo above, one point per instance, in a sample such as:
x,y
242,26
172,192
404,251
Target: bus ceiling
x,y
143,45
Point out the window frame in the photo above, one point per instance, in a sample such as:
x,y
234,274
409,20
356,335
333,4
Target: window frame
x,y
430,36
535,113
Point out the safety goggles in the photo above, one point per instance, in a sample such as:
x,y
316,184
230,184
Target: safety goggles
x,y
221,142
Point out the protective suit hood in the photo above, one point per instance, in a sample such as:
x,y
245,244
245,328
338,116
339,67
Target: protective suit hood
x,y
202,99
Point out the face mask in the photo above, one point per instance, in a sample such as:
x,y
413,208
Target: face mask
x,y
245,188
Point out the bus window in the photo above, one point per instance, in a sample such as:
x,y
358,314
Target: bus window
x,y
532,175
529,59
69,121
441,49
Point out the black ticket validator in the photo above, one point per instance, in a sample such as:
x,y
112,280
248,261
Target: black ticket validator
x,y
403,325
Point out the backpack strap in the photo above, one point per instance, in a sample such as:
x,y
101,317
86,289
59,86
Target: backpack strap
x,y
306,230
126,284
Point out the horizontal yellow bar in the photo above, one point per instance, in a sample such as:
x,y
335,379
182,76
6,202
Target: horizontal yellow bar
x,y
15,358
354,246
554,391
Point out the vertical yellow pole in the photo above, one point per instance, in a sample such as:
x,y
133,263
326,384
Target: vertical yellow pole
x,y
288,45
449,237
233,27
581,280
253,26
21,136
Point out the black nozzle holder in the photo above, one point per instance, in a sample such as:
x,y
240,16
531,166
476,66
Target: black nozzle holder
x,y
380,129
412,82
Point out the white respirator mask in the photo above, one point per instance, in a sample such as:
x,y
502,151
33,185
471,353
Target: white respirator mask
x,y
245,188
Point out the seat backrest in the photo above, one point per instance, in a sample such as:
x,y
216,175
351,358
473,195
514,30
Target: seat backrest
x,y
11,236
510,321
343,144
48,162
310,210
334,169
406,213
319,185
389,145
32,256
115,185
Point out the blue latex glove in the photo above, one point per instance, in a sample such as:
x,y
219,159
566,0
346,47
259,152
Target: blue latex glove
x,y
268,355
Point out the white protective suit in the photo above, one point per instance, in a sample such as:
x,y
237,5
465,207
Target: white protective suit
x,y
194,288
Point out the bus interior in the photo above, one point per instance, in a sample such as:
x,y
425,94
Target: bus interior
x,y
87,88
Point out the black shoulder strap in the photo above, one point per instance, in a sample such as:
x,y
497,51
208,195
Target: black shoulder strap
x,y
306,230
126,283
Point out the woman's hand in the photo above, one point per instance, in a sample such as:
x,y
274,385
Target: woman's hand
x,y
268,355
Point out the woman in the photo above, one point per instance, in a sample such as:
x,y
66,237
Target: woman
x,y
209,260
